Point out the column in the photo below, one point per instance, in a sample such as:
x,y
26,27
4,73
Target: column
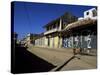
x,y
60,24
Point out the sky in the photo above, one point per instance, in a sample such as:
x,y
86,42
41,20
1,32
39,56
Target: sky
x,y
30,17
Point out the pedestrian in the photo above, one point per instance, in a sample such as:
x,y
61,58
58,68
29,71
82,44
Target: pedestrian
x,y
74,49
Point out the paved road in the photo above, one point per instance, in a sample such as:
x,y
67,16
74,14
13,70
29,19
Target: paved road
x,y
54,56
59,57
80,64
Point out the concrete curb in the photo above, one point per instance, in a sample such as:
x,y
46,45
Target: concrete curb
x,y
63,64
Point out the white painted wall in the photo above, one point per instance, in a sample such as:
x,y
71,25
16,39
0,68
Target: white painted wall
x,y
80,18
90,13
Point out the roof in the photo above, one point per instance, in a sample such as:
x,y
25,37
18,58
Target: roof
x,y
52,22
57,19
79,23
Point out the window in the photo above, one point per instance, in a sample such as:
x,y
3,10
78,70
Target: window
x,y
87,13
47,28
54,26
94,13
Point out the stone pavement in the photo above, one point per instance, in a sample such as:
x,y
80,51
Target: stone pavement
x,y
64,59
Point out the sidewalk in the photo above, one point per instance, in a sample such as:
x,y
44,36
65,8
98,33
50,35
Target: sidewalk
x,y
80,64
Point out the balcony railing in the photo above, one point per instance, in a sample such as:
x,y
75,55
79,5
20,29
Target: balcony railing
x,y
51,31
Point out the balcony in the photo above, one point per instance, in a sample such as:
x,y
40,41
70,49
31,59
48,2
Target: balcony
x,y
51,31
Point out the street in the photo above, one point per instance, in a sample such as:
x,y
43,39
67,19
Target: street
x,y
63,58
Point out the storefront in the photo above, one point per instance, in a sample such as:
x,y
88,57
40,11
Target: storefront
x,y
82,36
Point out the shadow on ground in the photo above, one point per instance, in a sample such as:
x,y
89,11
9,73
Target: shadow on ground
x,y
25,62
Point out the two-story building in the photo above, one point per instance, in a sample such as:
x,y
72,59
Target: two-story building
x,y
52,35
68,31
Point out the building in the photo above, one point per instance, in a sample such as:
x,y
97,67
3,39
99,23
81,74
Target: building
x,y
52,35
68,31
82,33
91,13
40,40
27,40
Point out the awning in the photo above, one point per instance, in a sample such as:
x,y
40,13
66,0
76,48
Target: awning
x,y
79,23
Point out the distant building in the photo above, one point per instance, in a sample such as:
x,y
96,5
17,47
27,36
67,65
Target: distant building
x,y
91,13
28,39
40,40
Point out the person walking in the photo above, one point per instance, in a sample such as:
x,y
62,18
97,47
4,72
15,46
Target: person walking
x,y
74,48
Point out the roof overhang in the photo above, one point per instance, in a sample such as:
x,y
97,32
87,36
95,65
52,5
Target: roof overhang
x,y
80,23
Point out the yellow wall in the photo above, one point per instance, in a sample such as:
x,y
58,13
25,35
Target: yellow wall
x,y
56,40
51,42
46,41
60,42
